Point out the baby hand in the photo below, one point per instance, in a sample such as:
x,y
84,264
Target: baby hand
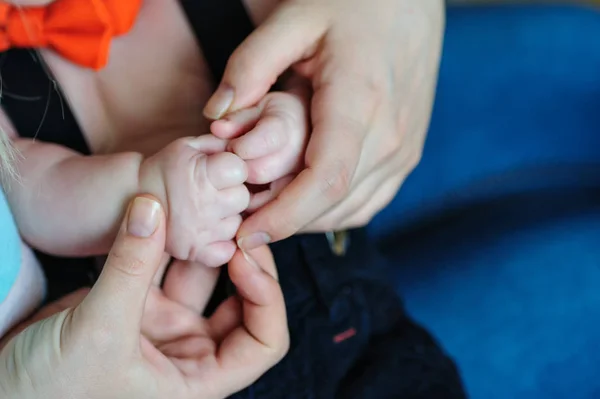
x,y
271,138
202,190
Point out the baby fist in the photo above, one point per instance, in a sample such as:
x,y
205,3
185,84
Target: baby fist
x,y
202,189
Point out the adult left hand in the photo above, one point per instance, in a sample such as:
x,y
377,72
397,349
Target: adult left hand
x,y
125,338
373,67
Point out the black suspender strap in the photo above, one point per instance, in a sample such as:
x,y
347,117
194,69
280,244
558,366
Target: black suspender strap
x,y
35,104
220,26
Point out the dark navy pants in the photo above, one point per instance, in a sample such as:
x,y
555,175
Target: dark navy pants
x,y
350,335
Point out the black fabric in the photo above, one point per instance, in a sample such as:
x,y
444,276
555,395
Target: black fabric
x,y
350,335
35,105
220,26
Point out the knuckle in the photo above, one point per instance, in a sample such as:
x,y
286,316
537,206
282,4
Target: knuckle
x,y
284,348
283,118
412,157
178,147
320,226
363,219
415,159
338,180
395,139
261,174
376,91
279,350
240,148
127,264
375,87
390,146
193,253
175,156
273,139
241,202
287,120
328,222
228,235
389,195
353,126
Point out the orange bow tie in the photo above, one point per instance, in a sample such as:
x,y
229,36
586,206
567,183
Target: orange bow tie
x,y
79,30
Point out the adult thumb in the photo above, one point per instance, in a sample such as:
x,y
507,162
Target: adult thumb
x,y
290,34
119,295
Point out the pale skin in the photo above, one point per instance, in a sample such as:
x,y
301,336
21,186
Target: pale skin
x,y
144,135
144,139
372,66
328,175
90,345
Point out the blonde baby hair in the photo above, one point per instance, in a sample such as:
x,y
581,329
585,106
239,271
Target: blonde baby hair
x,y
7,158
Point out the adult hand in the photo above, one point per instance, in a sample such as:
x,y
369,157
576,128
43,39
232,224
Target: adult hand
x,y
173,320
96,349
373,67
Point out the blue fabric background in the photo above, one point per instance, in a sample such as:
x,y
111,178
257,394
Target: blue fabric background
x,y
498,229
10,249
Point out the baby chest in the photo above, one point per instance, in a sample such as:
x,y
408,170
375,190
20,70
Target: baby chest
x,y
151,92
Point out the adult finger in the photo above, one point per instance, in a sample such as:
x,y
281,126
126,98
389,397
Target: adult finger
x,y
290,34
383,196
165,319
160,273
356,212
343,108
369,196
190,284
250,350
118,297
260,199
227,317
336,217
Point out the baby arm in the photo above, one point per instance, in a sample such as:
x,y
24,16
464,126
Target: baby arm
x,y
68,204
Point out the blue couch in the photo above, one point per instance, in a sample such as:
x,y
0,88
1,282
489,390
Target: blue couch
x,y
498,230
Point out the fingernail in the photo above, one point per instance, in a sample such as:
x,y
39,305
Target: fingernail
x,y
143,217
253,241
220,102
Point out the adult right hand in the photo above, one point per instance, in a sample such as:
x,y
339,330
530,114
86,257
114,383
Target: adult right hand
x,y
373,67
97,350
